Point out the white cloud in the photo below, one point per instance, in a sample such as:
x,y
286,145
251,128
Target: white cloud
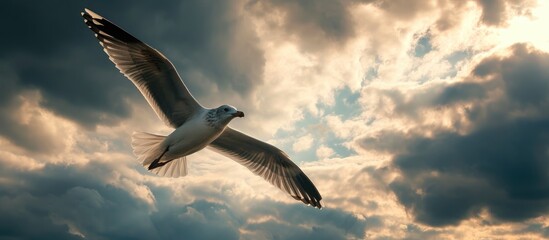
x,y
324,152
303,143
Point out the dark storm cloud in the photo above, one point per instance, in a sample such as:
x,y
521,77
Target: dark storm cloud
x,y
50,50
207,40
54,52
56,201
42,205
460,92
47,51
450,177
386,141
501,165
61,202
327,223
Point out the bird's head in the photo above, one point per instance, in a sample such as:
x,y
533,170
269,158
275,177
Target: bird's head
x,y
228,112
221,116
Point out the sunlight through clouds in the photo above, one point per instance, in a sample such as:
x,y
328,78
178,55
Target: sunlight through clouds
x,y
528,28
414,119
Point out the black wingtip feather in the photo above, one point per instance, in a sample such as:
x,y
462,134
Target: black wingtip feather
x,y
100,24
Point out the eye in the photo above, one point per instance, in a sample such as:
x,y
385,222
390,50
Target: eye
x,y
225,109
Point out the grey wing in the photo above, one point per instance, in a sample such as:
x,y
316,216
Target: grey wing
x,y
151,72
268,162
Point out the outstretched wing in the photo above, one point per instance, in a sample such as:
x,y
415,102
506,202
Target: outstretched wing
x,y
268,162
151,72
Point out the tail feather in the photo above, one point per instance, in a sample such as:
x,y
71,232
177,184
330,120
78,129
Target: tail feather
x,y
148,147
175,168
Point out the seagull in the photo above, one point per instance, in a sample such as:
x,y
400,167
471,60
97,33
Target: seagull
x,y
196,127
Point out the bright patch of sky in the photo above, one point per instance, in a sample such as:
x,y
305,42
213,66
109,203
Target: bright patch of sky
x,y
311,133
346,104
423,46
456,60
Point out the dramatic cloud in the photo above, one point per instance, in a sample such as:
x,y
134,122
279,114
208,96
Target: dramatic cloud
x,y
415,119
76,80
51,60
92,202
315,24
499,164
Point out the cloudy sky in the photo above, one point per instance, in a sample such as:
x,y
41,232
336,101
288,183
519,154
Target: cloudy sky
x,y
416,119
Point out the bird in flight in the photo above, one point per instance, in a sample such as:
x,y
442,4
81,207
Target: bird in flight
x,y
196,127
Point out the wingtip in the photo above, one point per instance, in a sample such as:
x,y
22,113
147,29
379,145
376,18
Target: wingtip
x,y
319,206
91,13
85,12
316,204
310,202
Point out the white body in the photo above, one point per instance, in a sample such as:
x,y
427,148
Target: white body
x,y
190,137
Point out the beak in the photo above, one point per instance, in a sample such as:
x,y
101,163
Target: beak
x,y
238,114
